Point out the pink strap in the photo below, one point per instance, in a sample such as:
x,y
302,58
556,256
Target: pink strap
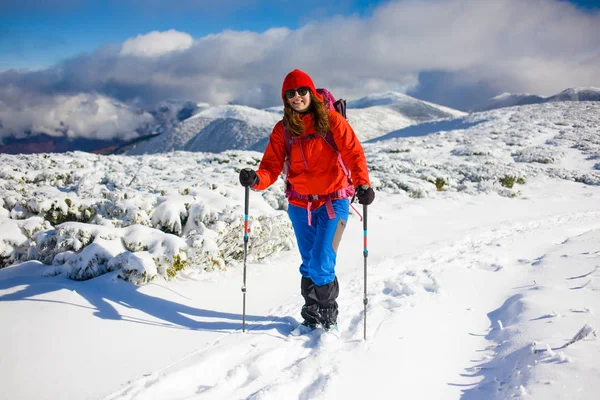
x,y
344,167
303,158
308,208
330,211
356,211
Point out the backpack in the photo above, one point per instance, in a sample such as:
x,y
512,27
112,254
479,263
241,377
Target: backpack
x,y
331,103
340,107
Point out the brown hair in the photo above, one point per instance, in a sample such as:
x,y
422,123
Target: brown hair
x,y
319,113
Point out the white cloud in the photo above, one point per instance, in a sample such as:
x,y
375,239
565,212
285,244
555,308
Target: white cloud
x,y
157,43
540,46
91,116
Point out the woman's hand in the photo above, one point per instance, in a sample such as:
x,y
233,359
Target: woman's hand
x,y
365,194
248,177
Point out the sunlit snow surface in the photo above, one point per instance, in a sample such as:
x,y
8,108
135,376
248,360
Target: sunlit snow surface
x,y
476,290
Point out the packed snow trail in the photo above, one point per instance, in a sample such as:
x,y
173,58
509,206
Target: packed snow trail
x,y
427,314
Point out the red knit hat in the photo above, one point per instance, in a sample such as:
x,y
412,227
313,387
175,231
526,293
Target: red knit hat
x,y
297,79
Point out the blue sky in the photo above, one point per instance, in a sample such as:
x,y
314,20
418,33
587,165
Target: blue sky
x,y
37,34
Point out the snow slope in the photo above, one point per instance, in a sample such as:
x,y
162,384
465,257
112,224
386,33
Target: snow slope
x,y
216,129
415,109
484,289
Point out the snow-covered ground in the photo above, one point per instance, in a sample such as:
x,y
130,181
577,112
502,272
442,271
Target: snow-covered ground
x,y
485,289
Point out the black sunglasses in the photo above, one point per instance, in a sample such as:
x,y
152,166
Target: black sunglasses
x,y
289,94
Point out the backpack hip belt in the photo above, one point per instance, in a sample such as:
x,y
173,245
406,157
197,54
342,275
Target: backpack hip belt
x,y
344,193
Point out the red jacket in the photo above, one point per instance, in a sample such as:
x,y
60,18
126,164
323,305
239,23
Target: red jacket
x,y
321,174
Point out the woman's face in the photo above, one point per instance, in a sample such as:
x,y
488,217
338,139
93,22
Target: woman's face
x,y
298,99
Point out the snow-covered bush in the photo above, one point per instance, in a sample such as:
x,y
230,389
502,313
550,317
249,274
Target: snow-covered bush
x,y
4,213
14,238
138,267
170,214
542,155
93,260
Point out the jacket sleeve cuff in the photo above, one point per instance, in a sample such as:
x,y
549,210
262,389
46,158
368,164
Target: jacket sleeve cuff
x,y
259,180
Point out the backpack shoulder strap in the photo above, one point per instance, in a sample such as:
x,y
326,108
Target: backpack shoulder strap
x,y
287,140
329,140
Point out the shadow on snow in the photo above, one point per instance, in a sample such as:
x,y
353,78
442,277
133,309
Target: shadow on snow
x,y
103,290
495,373
427,128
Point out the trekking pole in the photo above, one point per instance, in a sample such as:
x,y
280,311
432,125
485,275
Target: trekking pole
x,y
366,254
246,203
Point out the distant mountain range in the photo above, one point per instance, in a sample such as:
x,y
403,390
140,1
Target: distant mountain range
x,y
184,125
42,143
509,99
213,129
217,129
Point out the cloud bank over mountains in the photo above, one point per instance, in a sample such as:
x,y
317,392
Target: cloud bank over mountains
x,y
457,53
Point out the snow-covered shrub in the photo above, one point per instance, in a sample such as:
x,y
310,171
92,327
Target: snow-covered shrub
x,y
170,266
14,238
126,212
93,260
542,155
10,238
70,236
4,213
170,214
590,178
43,247
510,193
138,268
508,181
269,235
472,150
169,252
219,243
63,257
59,210
275,196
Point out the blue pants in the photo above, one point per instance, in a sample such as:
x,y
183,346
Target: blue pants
x,y
318,243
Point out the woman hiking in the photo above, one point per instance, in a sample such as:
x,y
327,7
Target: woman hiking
x,y
318,188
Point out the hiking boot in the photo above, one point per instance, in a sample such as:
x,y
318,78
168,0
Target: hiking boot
x,y
328,317
331,328
311,314
309,324
303,328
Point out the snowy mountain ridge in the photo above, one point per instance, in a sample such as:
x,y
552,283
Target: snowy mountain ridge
x,y
515,99
213,129
221,128
404,103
